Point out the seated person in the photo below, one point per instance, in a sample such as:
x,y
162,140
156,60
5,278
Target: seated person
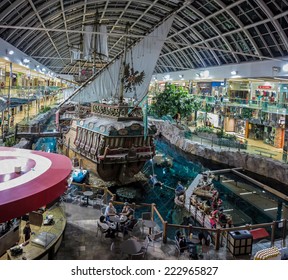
x,y
179,190
127,210
110,210
183,243
129,224
108,227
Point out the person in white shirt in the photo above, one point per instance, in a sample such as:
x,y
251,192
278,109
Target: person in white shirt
x,y
110,210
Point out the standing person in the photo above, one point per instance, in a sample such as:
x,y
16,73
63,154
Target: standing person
x,y
27,231
179,190
110,210
12,121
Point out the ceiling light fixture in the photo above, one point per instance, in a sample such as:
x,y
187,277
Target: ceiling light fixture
x,y
10,52
26,60
285,67
234,72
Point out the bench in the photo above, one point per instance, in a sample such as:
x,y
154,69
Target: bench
x,y
265,152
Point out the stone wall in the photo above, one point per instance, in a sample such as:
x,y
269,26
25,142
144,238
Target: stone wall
x,y
263,166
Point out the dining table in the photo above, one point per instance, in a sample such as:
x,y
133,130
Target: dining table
x,y
130,246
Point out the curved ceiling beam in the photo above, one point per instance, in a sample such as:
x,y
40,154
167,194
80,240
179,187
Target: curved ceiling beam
x,y
73,27
272,19
42,23
240,24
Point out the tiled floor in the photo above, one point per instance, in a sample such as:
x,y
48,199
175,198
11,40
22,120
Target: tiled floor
x,y
82,243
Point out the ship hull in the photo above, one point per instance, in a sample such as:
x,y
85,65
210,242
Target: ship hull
x,y
113,157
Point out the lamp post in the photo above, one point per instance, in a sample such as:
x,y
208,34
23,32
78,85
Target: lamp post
x,y
9,94
29,79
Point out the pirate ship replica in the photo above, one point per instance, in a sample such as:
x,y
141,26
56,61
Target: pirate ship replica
x,y
104,123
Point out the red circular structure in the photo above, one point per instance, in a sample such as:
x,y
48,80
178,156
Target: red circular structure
x,y
42,179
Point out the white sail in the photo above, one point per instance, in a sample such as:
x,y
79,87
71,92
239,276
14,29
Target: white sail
x,y
140,62
87,42
102,42
75,53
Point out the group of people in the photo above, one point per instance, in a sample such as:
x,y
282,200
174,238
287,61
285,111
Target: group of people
x,y
187,244
110,227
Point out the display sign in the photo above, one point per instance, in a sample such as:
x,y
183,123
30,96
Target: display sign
x,y
264,87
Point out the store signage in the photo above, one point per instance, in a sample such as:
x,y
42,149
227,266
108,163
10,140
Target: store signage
x,y
217,84
264,87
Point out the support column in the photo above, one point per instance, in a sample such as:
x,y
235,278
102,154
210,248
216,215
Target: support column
x,y
279,211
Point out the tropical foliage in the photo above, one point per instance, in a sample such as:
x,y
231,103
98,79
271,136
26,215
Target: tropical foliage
x,y
174,99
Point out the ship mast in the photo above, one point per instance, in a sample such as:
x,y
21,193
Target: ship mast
x,y
95,43
121,93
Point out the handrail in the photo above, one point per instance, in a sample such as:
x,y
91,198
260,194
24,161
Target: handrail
x,y
216,232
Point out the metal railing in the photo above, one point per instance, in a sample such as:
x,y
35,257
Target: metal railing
x,y
277,230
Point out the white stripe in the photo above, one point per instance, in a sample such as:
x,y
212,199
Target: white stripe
x,y
42,165
270,209
245,193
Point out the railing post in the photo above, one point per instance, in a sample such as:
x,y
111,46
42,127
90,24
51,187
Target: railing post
x,y
273,233
152,211
217,240
105,195
165,224
16,129
284,232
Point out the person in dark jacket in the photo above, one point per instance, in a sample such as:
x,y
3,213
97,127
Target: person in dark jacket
x,y
27,231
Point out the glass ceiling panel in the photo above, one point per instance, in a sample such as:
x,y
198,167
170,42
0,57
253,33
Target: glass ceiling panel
x,y
221,28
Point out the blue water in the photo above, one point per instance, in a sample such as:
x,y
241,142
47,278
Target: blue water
x,y
183,169
47,144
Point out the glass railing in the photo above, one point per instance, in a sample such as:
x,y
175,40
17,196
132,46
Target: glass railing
x,y
240,144
27,92
263,104
226,144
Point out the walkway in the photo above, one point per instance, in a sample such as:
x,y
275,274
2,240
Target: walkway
x,y
252,146
81,242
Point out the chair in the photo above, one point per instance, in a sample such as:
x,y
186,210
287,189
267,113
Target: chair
x,y
77,196
103,209
204,251
136,230
157,236
143,251
146,216
185,250
98,200
115,248
138,256
101,230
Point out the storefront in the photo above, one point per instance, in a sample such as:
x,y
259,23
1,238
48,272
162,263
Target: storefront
x,y
255,131
239,91
204,88
240,127
218,88
264,94
274,130
283,96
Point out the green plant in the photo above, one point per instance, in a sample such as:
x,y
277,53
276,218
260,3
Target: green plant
x,y
45,109
174,99
204,129
246,113
10,142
